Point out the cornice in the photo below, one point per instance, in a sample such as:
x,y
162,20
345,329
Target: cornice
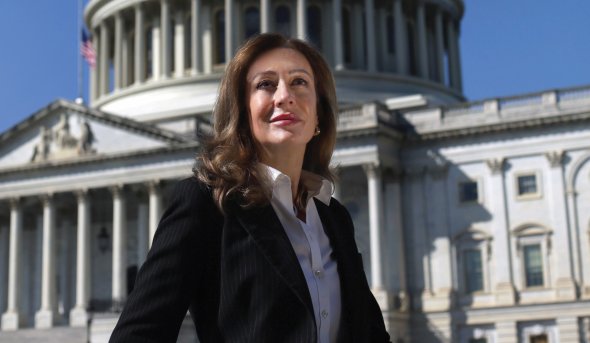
x,y
98,159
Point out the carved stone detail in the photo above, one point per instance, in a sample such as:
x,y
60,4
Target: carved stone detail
x,y
496,165
555,158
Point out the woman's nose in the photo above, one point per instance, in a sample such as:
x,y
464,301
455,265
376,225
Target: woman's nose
x,y
283,95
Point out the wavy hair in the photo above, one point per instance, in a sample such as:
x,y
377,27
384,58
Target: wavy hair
x,y
229,161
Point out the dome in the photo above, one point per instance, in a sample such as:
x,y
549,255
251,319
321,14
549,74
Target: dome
x,y
161,60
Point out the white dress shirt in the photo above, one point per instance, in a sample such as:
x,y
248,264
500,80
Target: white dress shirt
x,y
312,247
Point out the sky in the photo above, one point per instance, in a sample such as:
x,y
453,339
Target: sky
x,y
508,47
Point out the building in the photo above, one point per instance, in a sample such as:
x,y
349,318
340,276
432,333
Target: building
x,y
473,218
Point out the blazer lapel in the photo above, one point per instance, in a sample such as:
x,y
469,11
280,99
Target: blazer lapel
x,y
266,230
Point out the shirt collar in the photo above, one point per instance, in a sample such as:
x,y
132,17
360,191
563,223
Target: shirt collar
x,y
317,186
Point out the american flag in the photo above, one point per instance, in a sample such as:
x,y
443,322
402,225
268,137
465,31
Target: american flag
x,y
87,50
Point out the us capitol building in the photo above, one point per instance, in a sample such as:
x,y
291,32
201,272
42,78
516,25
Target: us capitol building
x,y
473,217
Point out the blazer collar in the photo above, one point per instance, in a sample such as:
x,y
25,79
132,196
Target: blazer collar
x,y
266,230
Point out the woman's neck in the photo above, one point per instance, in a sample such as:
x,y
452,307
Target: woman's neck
x,y
288,164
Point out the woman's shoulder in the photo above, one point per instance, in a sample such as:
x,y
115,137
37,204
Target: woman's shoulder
x,y
193,191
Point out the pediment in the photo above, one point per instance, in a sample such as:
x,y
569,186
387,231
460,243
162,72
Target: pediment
x,y
65,131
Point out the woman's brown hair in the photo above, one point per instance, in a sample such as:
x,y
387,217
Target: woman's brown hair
x,y
228,162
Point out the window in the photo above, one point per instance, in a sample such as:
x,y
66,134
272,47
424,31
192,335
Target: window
x,y
283,20
533,265
468,192
527,185
539,339
473,270
219,37
314,26
251,22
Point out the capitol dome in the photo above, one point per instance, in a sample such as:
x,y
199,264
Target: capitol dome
x,y
160,61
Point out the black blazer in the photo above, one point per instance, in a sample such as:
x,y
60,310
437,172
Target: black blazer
x,y
240,278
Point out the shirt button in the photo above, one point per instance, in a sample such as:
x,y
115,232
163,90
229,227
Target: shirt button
x,y
324,314
318,272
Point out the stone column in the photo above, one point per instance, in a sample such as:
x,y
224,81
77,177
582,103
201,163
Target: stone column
x,y
229,30
207,40
338,44
565,285
155,208
156,50
179,65
440,46
453,56
78,315
375,222
195,37
45,317
94,76
11,318
264,16
504,289
166,51
422,41
104,59
118,51
358,54
139,44
370,37
401,38
302,19
119,285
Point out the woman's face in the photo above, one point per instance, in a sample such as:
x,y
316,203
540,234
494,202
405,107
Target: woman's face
x,y
282,101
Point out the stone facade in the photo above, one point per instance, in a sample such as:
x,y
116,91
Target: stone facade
x,y
473,219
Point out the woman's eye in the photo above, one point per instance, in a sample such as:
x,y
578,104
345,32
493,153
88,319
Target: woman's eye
x,y
264,84
299,81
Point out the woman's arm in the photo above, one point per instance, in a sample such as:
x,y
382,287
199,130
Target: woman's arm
x,y
165,283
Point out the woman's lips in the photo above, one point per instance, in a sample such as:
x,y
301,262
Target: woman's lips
x,y
284,119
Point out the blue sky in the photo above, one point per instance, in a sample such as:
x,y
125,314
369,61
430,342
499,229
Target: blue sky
x,y
508,47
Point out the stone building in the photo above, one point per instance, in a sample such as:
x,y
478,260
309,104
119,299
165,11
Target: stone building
x,y
473,217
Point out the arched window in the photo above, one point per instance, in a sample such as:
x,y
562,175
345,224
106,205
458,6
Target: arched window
x,y
283,20
314,26
219,37
251,22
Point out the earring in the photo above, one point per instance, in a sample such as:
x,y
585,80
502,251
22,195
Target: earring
x,y
317,131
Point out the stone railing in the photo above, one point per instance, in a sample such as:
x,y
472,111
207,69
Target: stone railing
x,y
523,103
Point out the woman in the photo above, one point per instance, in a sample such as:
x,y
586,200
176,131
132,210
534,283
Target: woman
x,y
253,245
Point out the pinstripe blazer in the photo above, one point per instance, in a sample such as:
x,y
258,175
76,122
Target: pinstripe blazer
x,y
240,278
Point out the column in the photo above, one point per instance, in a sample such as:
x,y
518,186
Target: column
x,y
156,50
338,45
195,37
4,241
142,231
45,317
370,38
118,51
401,38
229,30
207,40
358,56
104,59
139,44
119,285
78,315
422,40
264,16
453,57
155,208
179,65
166,51
507,332
375,222
440,46
502,255
302,19
438,242
94,87
565,285
11,318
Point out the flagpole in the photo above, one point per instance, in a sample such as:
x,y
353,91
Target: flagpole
x,y
80,98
